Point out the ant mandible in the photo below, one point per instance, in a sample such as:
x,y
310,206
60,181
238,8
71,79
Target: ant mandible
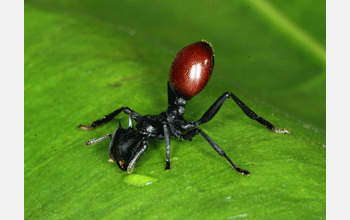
x,y
189,74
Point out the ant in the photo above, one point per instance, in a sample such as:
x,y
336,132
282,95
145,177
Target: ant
x,y
190,72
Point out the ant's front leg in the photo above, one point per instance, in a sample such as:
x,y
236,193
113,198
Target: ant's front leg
x,y
211,112
137,156
109,117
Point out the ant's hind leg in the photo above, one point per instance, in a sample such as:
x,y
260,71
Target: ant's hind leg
x,y
109,117
190,134
211,112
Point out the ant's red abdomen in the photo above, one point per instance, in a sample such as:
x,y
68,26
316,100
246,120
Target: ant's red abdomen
x,y
191,69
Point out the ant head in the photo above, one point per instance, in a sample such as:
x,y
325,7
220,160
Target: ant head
x,y
125,147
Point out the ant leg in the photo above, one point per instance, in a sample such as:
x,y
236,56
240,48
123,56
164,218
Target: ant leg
x,y
109,117
167,146
211,112
136,158
94,141
131,124
190,134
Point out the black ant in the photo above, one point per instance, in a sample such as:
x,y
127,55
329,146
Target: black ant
x,y
189,74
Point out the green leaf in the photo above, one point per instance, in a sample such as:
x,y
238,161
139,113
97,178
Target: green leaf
x,y
84,59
